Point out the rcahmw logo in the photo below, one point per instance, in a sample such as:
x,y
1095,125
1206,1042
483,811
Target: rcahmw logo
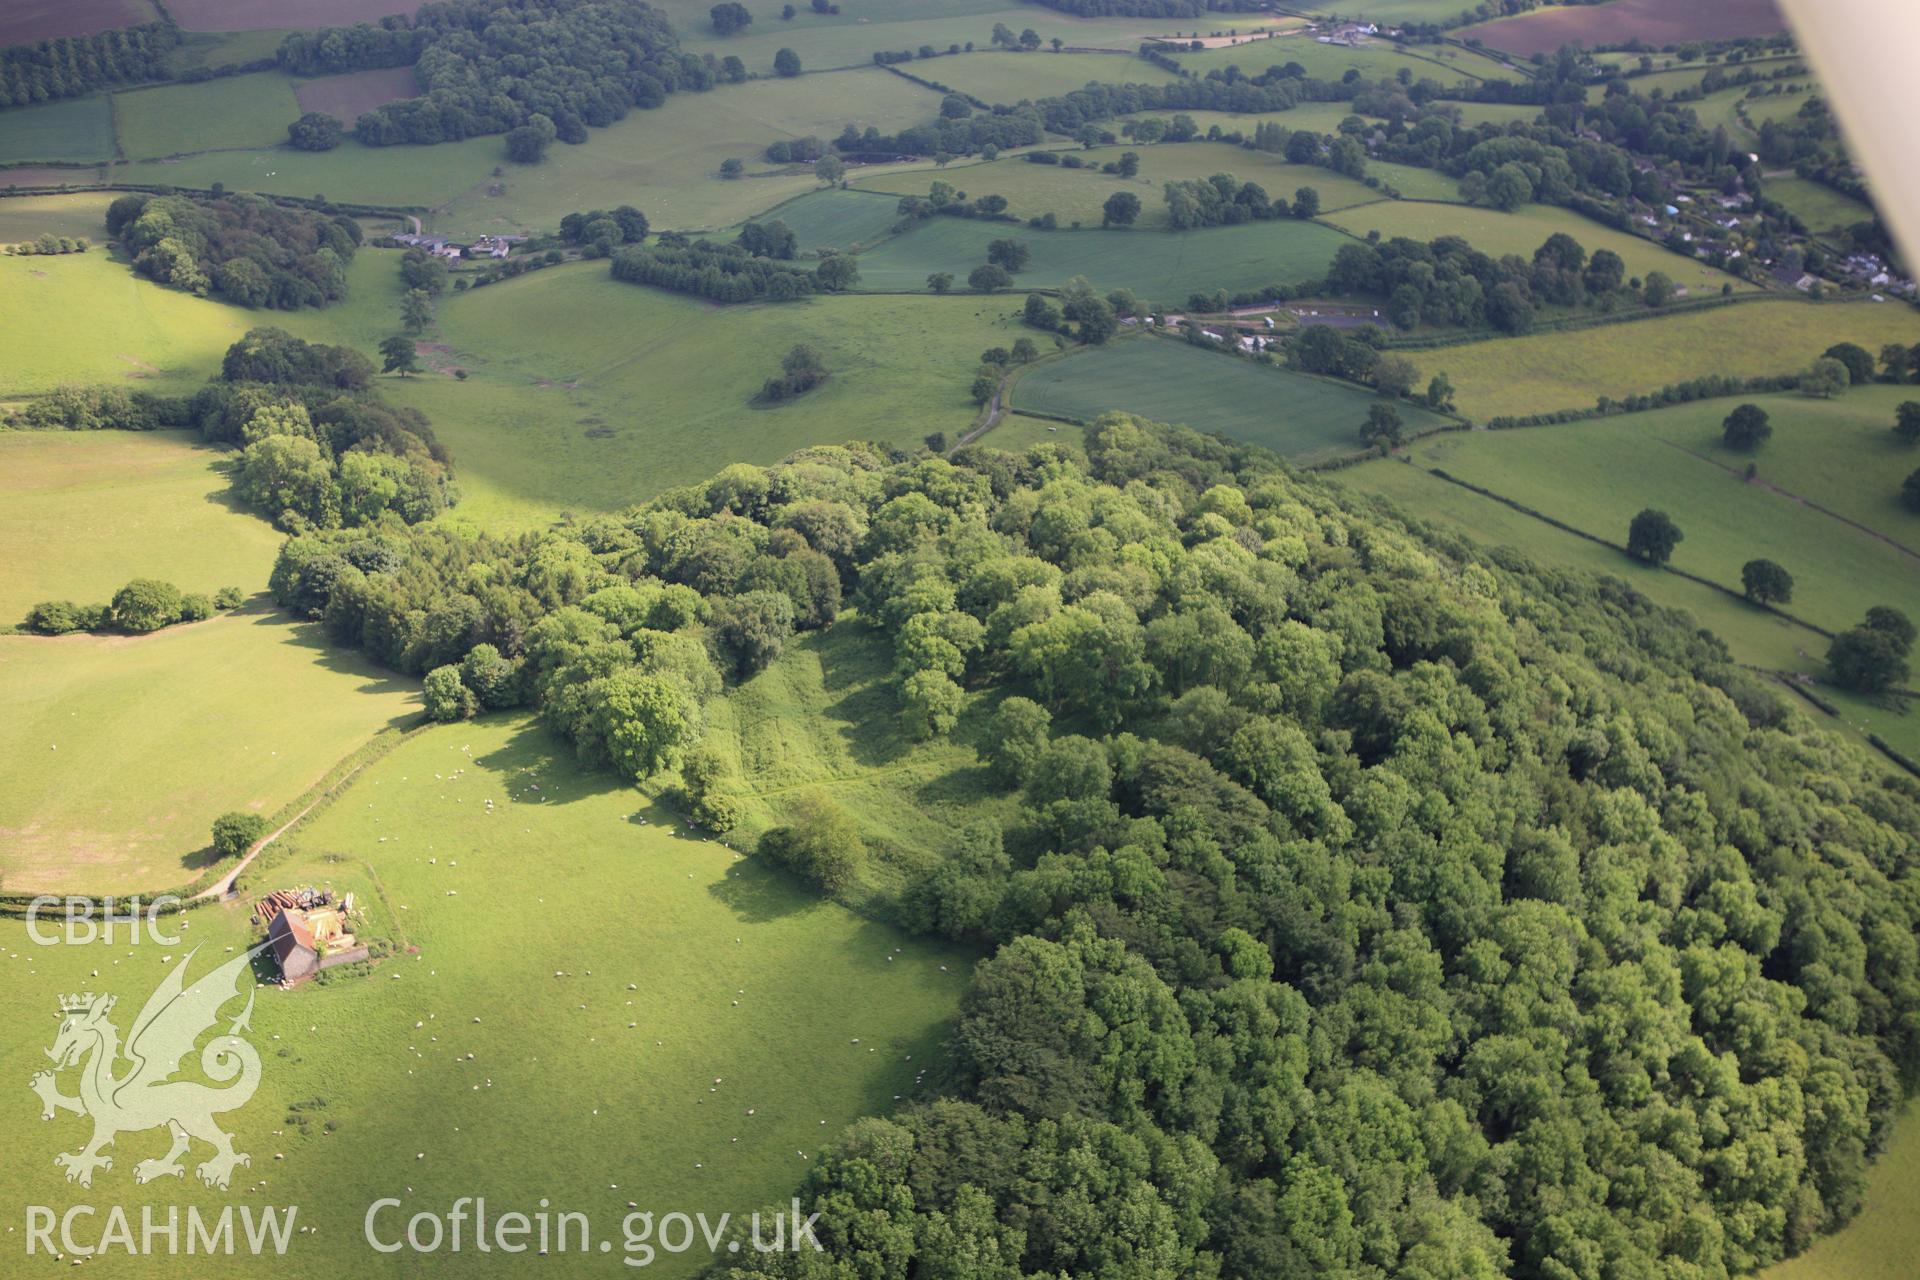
x,y
53,920
145,1095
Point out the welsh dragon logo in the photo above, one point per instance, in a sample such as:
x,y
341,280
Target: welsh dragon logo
x,y
145,1095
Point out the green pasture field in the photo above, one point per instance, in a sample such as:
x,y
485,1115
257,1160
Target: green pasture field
x,y
660,389
222,48
665,161
1840,454
82,512
1626,464
1820,208
1375,60
1752,635
86,317
1077,195
864,27
1496,233
73,129
1722,107
229,113
122,750
1888,1229
1388,10
627,996
820,721
1316,117
840,219
80,213
1016,432
1546,372
1162,267
1784,105
1299,416
1001,77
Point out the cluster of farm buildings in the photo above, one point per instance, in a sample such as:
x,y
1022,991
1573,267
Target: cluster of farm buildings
x,y
442,247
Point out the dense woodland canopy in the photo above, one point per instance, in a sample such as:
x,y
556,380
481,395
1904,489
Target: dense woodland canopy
x,y
75,65
244,248
490,66
1376,906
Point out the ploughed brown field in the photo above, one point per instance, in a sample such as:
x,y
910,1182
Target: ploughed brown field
x,y
267,15
1658,22
48,176
30,21
344,97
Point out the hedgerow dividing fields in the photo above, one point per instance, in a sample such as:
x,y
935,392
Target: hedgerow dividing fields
x,y
1162,267
1077,195
1547,372
1496,233
661,390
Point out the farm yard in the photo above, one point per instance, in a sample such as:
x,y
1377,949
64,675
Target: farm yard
x,y
1657,23
1162,267
1548,372
1303,418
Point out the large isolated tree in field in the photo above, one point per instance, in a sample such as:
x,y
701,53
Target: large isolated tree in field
x,y
1906,421
1766,582
786,62
399,354
1121,208
729,18
1652,537
1746,427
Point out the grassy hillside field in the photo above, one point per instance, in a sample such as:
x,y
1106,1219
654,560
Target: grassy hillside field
x,y
1448,64
232,112
83,512
661,391
1077,195
82,213
697,987
1304,418
1881,1243
73,129
1000,77
851,37
1496,233
1163,267
86,317
1551,371
666,160
1839,572
173,730
820,721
